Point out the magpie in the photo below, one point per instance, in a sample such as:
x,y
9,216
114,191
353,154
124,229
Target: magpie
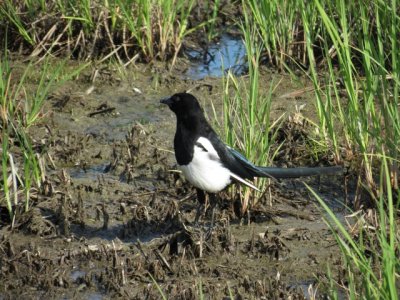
x,y
210,165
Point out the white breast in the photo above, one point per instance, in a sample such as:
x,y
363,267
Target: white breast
x,y
205,171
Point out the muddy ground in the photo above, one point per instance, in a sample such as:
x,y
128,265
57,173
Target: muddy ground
x,y
114,219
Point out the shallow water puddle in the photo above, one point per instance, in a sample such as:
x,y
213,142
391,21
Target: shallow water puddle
x,y
77,274
92,172
312,292
229,53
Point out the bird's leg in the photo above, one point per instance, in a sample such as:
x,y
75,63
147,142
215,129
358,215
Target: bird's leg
x,y
213,204
201,197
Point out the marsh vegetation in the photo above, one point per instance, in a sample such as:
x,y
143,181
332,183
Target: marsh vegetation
x,y
90,202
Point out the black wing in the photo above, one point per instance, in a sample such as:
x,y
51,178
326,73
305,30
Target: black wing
x,y
238,164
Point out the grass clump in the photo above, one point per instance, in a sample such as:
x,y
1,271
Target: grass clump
x,y
370,249
348,51
247,124
20,108
125,30
354,47
367,73
279,27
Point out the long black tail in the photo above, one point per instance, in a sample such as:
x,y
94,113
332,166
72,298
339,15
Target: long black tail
x,y
273,172
297,172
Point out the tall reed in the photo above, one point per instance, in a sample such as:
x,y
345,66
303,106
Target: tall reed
x,y
361,70
354,45
369,252
247,124
349,52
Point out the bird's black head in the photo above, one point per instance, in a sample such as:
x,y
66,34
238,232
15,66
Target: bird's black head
x,y
183,104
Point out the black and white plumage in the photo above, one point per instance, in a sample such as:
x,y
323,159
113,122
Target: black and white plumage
x,y
209,164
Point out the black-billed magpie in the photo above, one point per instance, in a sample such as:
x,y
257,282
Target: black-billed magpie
x,y
209,164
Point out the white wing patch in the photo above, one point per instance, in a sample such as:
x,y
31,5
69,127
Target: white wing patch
x,y
206,171
206,144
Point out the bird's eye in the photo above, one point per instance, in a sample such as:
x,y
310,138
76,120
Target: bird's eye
x,y
177,98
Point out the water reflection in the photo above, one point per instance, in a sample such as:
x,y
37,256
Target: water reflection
x,y
228,54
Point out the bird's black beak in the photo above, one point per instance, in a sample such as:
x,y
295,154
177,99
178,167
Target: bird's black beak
x,y
167,101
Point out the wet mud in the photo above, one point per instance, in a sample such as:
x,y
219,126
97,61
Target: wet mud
x,y
114,218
